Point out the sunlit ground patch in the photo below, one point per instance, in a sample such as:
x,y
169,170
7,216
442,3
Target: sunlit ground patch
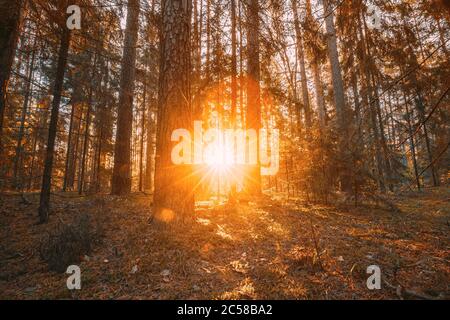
x,y
166,215
245,290
222,233
205,222
239,266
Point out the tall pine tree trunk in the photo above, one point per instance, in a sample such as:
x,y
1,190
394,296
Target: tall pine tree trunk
x,y
87,129
69,150
85,149
233,87
148,181
412,143
9,31
18,182
316,71
319,94
141,148
174,194
339,94
241,68
301,60
208,40
421,110
121,180
44,205
253,115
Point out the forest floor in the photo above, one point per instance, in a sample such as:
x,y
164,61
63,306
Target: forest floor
x,y
270,249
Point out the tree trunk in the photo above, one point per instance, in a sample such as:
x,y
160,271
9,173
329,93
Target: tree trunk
x,y
421,110
149,154
301,60
9,32
253,115
98,161
412,143
87,129
121,180
241,69
339,93
368,93
208,40
141,149
174,194
69,148
75,154
44,205
319,94
85,142
316,70
18,182
384,146
420,107
233,188
197,62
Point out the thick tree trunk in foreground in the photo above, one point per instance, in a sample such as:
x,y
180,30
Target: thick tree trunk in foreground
x,y
253,121
121,180
9,31
174,194
44,205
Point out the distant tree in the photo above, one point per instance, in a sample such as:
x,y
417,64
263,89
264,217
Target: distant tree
x,y
301,59
253,114
44,204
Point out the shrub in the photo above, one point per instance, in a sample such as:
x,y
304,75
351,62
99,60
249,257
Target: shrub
x,y
67,244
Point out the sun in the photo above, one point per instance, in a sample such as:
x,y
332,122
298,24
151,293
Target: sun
x,y
219,157
220,167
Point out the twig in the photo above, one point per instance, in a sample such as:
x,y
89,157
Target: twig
x,y
316,245
400,290
25,200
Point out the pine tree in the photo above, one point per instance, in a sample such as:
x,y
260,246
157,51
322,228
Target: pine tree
x,y
174,190
121,179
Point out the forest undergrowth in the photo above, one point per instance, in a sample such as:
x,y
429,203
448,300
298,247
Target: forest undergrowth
x,y
267,248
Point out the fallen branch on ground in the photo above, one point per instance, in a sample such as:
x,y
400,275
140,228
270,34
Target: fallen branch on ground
x,y
401,291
